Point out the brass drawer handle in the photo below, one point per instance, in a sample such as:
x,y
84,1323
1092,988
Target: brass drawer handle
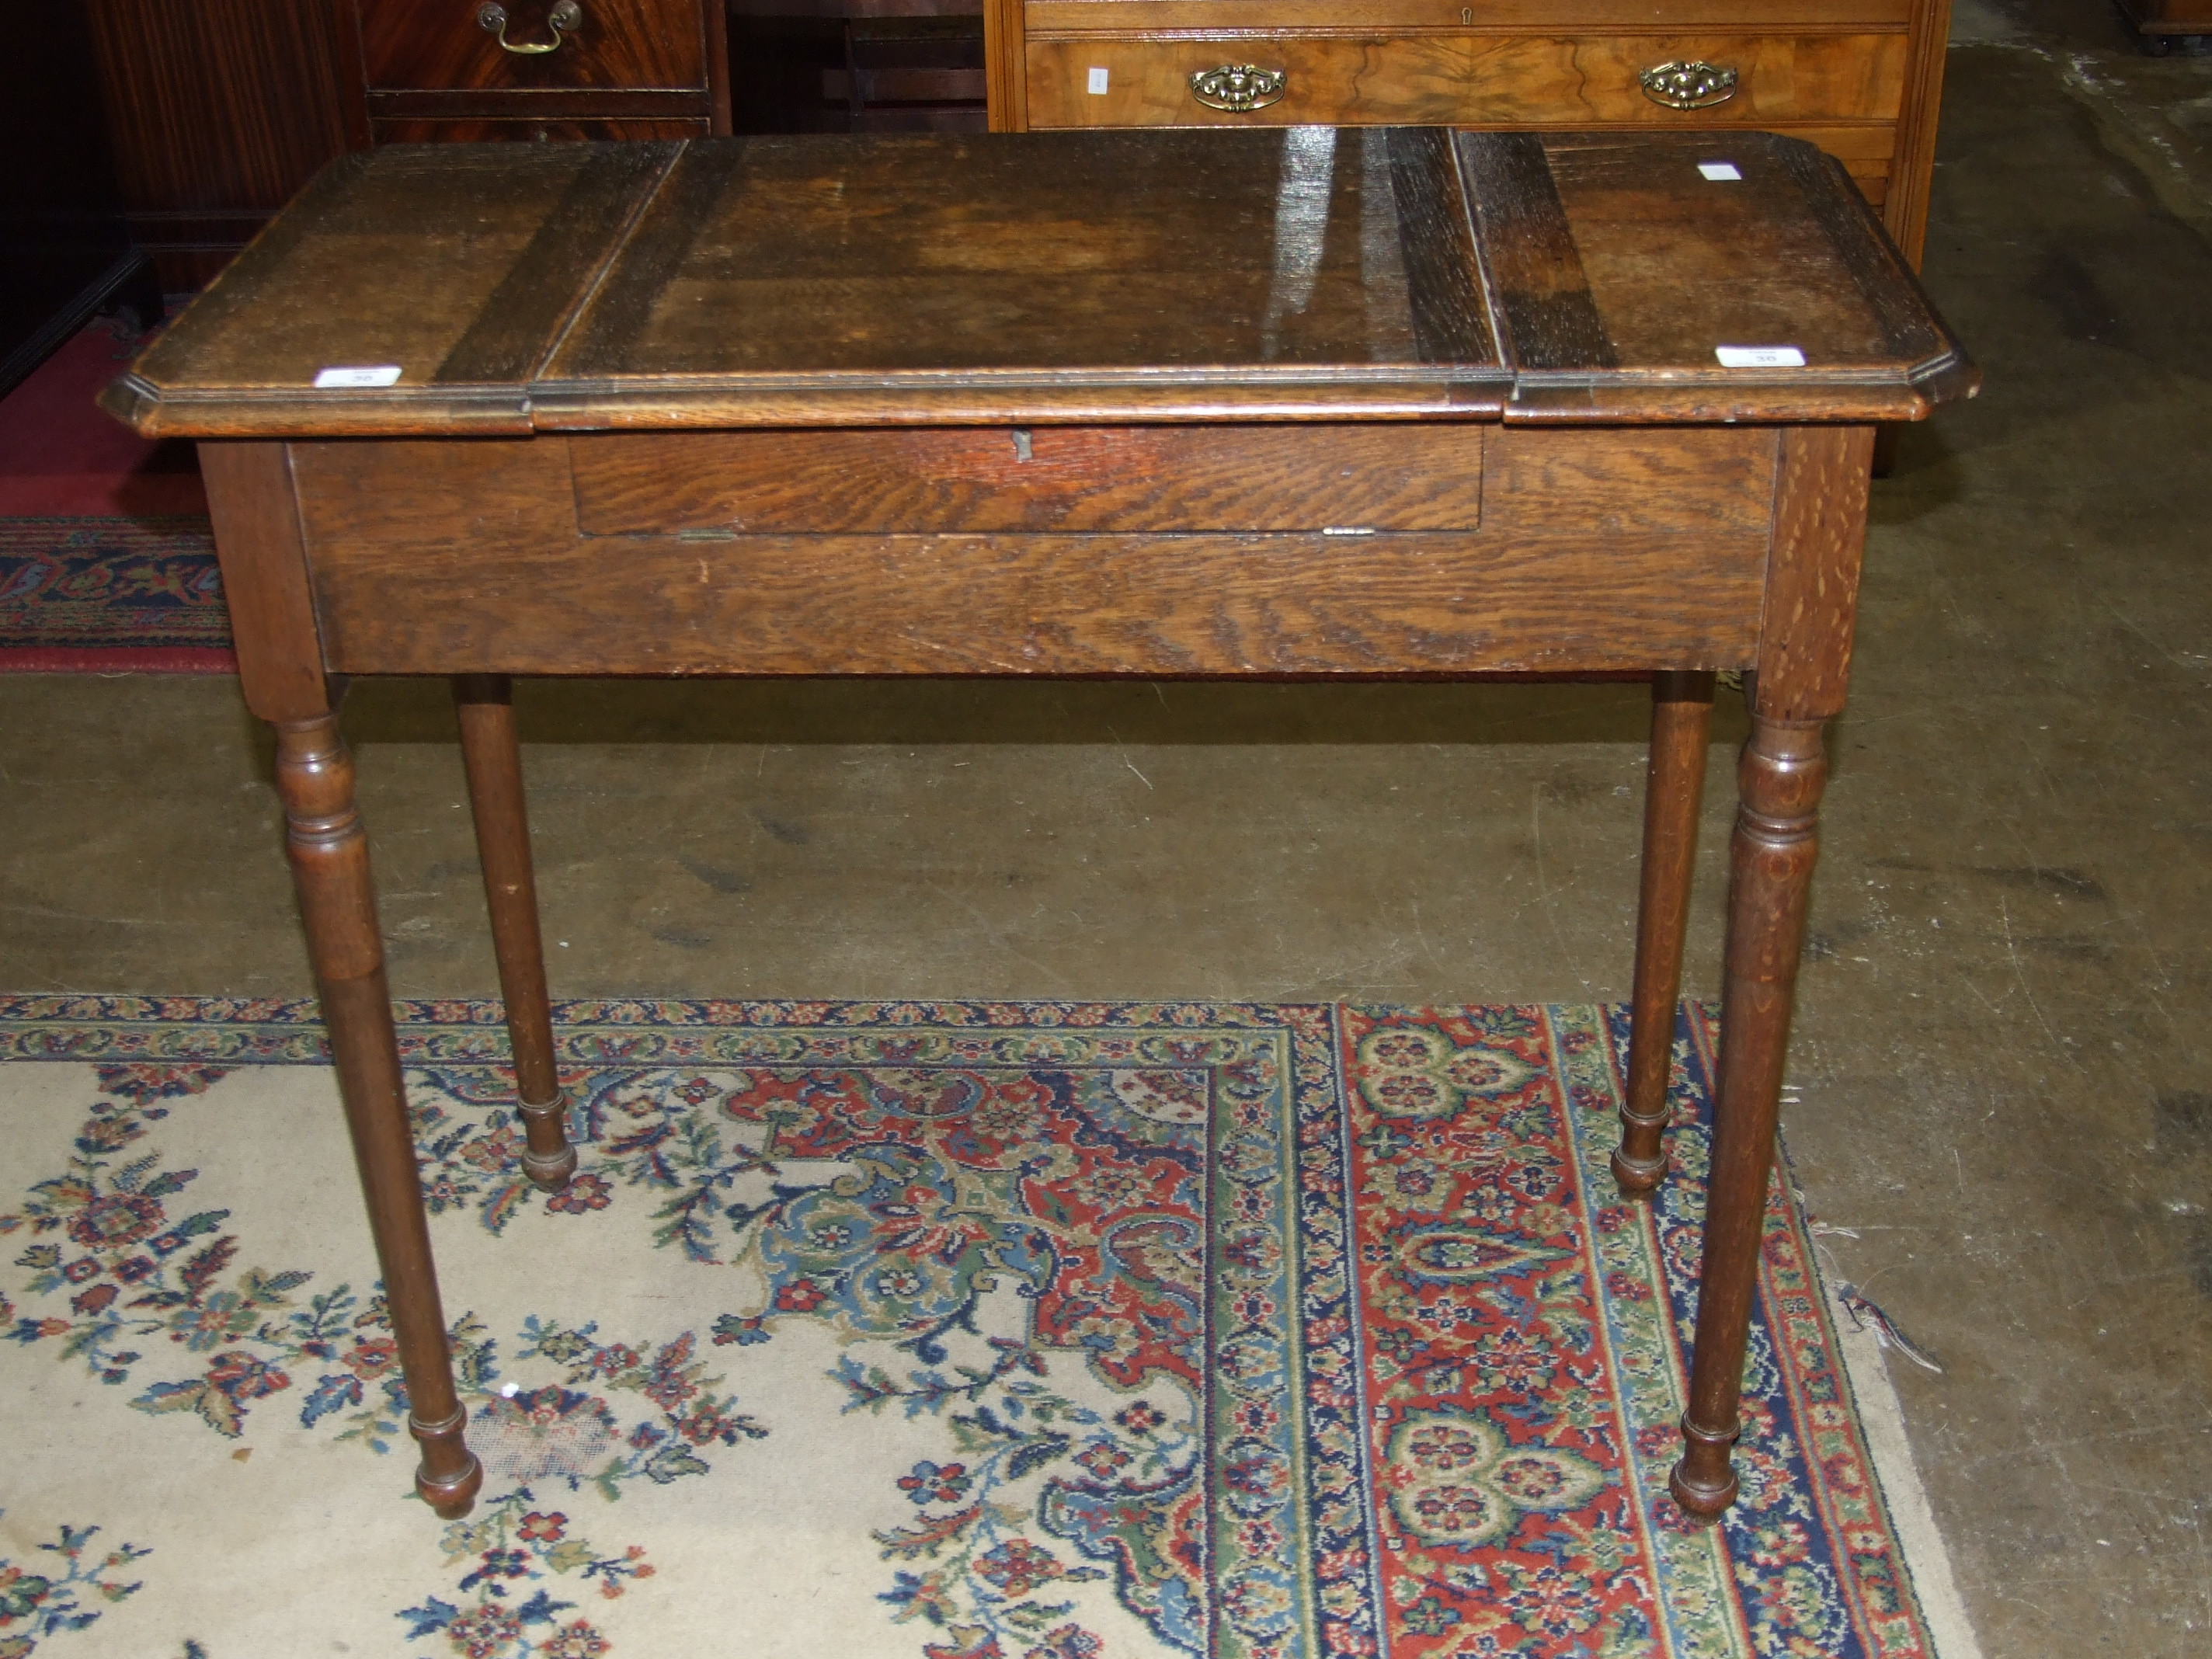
x,y
1688,86
1238,87
567,17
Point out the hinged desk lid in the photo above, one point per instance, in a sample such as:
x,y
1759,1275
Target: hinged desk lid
x,y
1263,274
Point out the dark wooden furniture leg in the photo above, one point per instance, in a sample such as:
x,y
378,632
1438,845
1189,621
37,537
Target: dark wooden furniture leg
x,y
493,761
1681,722
249,487
1804,664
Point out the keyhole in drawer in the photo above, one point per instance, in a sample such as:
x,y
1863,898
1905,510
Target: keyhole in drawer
x,y
1466,13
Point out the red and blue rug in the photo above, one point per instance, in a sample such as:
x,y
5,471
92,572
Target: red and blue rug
x,y
926,1331
106,564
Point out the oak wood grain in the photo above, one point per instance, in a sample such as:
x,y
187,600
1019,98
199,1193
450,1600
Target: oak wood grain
x,y
1777,256
472,231
1046,478
1780,780
1665,570
492,756
1088,276
1813,577
1532,270
1112,251
1681,720
264,578
1804,666
329,853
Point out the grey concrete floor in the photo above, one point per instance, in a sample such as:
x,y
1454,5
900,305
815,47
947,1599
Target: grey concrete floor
x,y
2002,1059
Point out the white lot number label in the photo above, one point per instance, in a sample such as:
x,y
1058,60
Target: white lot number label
x,y
1098,82
1759,356
342,379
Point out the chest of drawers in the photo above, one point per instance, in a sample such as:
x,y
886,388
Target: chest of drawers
x,y
415,72
1860,78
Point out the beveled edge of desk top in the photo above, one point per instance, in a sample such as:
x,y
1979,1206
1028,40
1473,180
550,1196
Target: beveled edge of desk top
x,y
1573,273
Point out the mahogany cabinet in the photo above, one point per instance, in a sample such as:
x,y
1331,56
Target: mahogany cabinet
x,y
427,70
1860,78
217,112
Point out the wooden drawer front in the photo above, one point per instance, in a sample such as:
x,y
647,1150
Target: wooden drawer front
x,y
1466,80
502,131
1599,550
1380,477
438,44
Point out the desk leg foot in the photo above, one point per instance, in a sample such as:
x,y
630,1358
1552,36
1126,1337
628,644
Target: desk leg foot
x,y
449,1477
1783,772
494,761
1703,1482
1681,725
337,902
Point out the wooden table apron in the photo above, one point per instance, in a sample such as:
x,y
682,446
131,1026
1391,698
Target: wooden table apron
x,y
1500,515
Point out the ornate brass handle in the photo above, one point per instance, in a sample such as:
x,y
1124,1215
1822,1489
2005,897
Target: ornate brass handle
x,y
566,18
1688,86
1238,87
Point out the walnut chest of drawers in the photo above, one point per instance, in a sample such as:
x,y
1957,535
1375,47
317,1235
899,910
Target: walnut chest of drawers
x,y
1860,78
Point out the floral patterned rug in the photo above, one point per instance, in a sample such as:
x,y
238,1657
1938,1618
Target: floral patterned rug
x,y
924,1331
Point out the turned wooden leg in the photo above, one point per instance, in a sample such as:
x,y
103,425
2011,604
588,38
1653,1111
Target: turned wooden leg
x,y
1682,721
329,864
1803,669
493,761
1783,770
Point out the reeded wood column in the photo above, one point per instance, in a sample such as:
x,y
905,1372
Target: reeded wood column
x,y
271,602
1804,666
493,761
1682,724
330,865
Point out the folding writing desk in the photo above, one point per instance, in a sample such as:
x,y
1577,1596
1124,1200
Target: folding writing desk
x,y
1303,403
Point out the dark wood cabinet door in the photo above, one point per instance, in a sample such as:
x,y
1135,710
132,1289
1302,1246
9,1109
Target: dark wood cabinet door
x,y
218,111
410,45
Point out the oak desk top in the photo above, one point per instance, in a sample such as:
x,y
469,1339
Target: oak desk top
x,y
1153,275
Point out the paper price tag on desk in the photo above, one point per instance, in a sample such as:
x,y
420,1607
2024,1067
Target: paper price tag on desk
x,y
1759,356
328,379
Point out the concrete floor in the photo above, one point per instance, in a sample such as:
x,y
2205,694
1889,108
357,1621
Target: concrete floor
x,y
2005,1046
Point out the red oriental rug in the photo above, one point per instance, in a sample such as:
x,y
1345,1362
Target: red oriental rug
x,y
105,562
915,1331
